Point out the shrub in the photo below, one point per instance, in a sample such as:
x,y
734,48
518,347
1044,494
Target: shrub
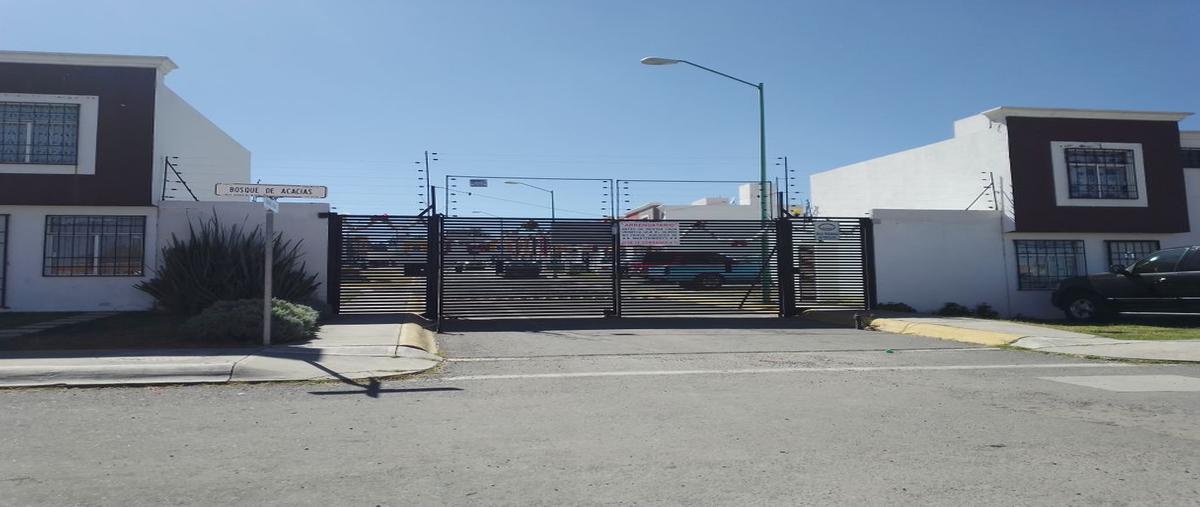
x,y
954,310
985,311
224,264
896,307
324,311
241,320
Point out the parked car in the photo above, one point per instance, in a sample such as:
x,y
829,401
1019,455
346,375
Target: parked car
x,y
1165,281
470,265
521,269
707,270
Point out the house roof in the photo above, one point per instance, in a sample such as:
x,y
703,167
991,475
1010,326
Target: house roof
x,y
1000,113
162,63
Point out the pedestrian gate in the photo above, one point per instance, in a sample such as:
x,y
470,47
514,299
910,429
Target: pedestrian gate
x,y
485,267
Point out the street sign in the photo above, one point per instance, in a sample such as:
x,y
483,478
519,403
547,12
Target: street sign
x,y
270,195
646,233
479,183
827,231
274,191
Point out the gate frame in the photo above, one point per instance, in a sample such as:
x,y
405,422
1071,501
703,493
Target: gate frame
x,y
784,258
333,263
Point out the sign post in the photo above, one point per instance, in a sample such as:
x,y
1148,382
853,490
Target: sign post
x,y
270,195
268,265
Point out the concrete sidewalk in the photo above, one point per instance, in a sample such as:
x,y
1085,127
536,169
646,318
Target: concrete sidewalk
x,y
347,349
1032,337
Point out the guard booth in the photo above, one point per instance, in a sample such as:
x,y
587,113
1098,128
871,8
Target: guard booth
x,y
491,267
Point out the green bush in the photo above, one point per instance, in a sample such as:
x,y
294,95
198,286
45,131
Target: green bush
x,y
954,310
241,320
225,264
985,311
895,307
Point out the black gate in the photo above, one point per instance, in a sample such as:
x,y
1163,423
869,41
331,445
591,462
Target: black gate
x,y
706,267
519,267
833,263
378,263
476,267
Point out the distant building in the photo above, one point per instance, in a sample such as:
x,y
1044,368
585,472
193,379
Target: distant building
x,y
745,207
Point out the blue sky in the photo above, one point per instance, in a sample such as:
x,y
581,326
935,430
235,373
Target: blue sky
x,y
350,93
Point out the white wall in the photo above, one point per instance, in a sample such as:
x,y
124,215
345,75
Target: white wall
x,y
28,290
926,258
295,221
946,175
207,155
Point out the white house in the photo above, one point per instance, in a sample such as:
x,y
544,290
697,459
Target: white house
x,y
90,148
1019,199
746,207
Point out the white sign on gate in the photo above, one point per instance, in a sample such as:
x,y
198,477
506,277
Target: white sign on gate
x,y
827,231
645,233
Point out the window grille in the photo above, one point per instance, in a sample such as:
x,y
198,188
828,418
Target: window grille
x,y
1095,173
94,245
1126,253
1041,264
39,133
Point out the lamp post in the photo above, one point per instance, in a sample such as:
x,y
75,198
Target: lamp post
x,y
539,188
762,154
762,126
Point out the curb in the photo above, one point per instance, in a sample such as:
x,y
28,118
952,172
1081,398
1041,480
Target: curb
x,y
958,334
115,374
416,336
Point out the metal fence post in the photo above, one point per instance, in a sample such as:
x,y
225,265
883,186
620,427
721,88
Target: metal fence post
x,y
333,263
433,268
785,257
867,229
616,267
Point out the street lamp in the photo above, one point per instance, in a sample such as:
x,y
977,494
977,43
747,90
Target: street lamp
x,y
539,188
762,126
762,154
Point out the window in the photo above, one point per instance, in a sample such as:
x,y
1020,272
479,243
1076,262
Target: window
x,y
94,245
41,133
1160,262
1191,157
1098,174
1095,173
1126,253
1041,264
1191,262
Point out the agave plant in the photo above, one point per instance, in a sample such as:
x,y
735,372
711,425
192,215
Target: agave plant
x,y
219,263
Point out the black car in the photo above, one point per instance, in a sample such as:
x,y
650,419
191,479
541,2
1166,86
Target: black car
x,y
521,269
1166,281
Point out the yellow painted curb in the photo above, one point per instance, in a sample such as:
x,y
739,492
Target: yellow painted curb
x,y
941,332
416,336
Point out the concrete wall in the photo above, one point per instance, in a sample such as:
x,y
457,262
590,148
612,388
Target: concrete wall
x,y
926,258
946,175
295,221
28,290
206,154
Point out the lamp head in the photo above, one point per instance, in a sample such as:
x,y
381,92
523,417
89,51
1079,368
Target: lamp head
x,y
654,60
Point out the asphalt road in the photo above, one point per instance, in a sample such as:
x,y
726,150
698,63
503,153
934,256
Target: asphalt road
x,y
686,414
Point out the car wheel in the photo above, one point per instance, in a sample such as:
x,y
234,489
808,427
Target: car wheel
x,y
708,281
1084,307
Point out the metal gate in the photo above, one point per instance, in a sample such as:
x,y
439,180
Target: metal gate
x,y
710,267
526,267
477,267
378,263
833,263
